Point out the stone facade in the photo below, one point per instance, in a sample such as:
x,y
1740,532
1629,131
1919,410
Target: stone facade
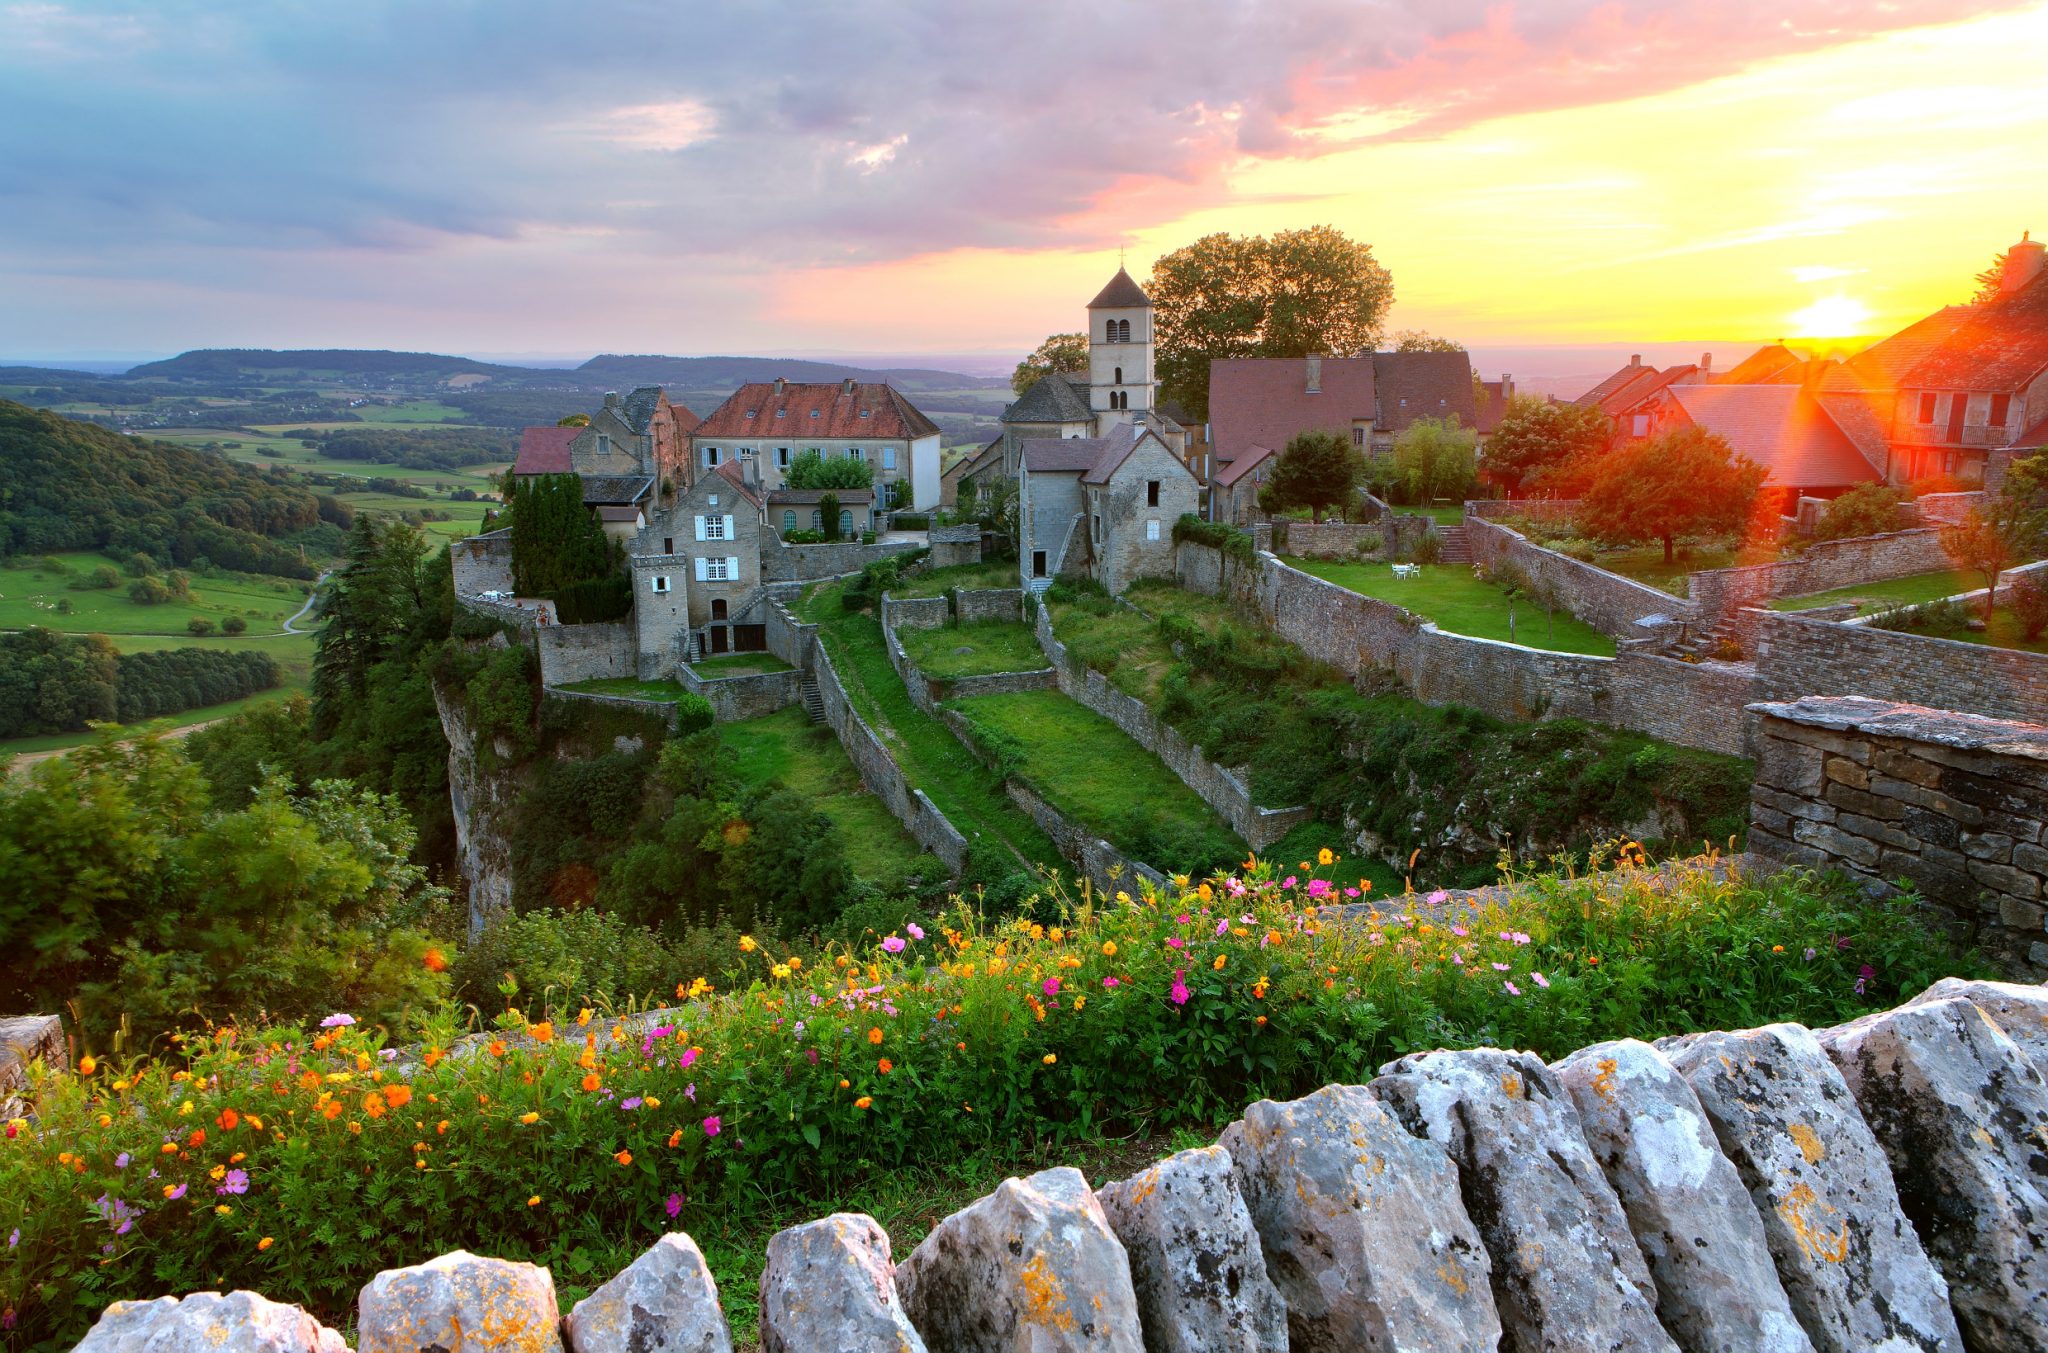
x,y
1953,804
25,1039
915,613
807,563
709,544
953,545
1798,655
1132,515
927,693
580,652
483,564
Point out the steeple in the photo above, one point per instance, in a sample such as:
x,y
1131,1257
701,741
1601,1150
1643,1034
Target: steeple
x,y
1119,352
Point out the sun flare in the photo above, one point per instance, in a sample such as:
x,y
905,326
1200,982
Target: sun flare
x,y
1831,317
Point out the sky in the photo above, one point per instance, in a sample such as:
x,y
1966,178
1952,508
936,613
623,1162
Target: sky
x,y
953,176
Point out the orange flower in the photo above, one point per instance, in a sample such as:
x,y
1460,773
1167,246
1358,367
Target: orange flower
x,y
864,1102
885,1066
331,1110
1261,1020
959,1047
1109,948
1049,1058
542,1032
265,1243
434,1056
623,1157
591,1082
398,1096
533,1201
198,1137
435,961
675,1138
844,1083
228,1119
373,1104
497,1047
1218,964
529,1118
441,1128
310,1081
88,1064
874,1035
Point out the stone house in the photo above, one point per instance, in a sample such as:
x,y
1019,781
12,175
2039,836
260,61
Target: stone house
x,y
799,510
697,567
1784,428
1101,507
1622,395
767,424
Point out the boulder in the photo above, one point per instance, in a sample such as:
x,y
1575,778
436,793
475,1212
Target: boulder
x,y
1851,1263
829,1284
1717,1291
1566,1273
2020,1010
207,1322
1031,1268
1963,1115
1362,1227
665,1300
460,1303
1195,1260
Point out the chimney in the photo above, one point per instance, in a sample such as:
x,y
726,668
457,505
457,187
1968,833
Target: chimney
x,y
780,386
611,399
850,383
2023,263
1635,359
1706,364
1314,365
1507,387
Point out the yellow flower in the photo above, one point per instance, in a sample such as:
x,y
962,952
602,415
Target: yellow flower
x,y
653,1103
1080,1002
223,1210
747,943
1206,893
1326,857
1109,948
529,1118
1218,964
106,1120
1049,1058
186,1107
533,1201
583,1017
217,1173
780,970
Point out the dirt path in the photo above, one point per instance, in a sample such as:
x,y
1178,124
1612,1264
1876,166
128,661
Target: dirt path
x,y
21,761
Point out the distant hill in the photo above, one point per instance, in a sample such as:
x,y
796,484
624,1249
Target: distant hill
x,y
44,375
69,485
705,373
231,364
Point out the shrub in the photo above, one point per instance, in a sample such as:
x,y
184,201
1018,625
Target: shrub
x,y
1233,542
595,601
913,521
1866,510
2028,602
1936,618
102,579
1429,549
234,624
803,536
828,513
199,626
148,592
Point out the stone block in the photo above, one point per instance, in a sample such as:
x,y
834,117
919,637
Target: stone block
x,y
1939,881
1851,800
1788,765
829,1284
1362,1226
1844,771
1837,844
1933,828
1900,763
1791,805
1939,804
1769,820
666,1299
2018,915
2006,879
1885,832
207,1322
2019,1009
1851,1264
1951,1098
1686,1205
1196,1263
460,1303
1851,746
1993,846
1566,1271
1033,1268
2031,858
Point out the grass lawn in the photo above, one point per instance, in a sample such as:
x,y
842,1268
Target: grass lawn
x,y
1094,772
738,664
979,649
1880,596
931,757
940,581
2003,632
411,411
1442,515
1462,604
1124,645
807,757
668,691
32,596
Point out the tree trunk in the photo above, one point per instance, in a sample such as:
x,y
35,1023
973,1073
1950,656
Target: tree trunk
x,y
1667,549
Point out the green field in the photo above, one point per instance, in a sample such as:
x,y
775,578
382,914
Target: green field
x,y
1462,604
788,747
32,596
410,411
1882,596
980,649
265,450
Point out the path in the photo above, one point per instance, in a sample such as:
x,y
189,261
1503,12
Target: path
x,y
311,597
21,761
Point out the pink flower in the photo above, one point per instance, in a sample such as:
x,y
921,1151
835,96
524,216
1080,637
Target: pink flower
x,y
893,944
1318,888
1539,979
711,1126
688,1059
675,1206
1176,941
1513,990
916,931
1181,919
1460,931
1111,982
1287,882
1051,986
338,1021
1179,994
1500,967
1351,892
1438,896
1223,927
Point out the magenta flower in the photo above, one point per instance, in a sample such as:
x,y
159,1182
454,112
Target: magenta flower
x,y
1050,986
1438,896
1500,967
1111,982
916,931
1539,979
687,1060
675,1206
1223,927
337,1021
1182,919
894,944
1176,941
711,1126
237,1181
632,1103
1351,892
1318,888
1460,931
178,1192
1287,882
1179,994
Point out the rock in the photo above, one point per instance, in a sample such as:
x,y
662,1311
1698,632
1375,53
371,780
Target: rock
x,y
829,1284
1963,1115
1566,1273
460,1303
1850,1262
2020,1010
1362,1227
1686,1206
1195,1260
207,1322
1033,1266
665,1300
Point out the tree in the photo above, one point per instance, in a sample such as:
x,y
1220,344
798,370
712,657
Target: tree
x,y
814,470
1434,458
1418,340
1060,352
1866,510
2022,505
1983,545
199,626
1293,294
1317,470
1535,437
1688,481
828,513
556,543
2028,602
574,420
234,624
1991,281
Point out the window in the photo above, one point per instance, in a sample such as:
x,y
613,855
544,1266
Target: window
x,y
668,544
1639,425
814,413
1038,563
2001,408
1927,408
1358,436
660,583
746,453
718,570
710,457
714,528
782,413
1152,493
845,521
888,457
782,458
718,609
1151,528
1097,526
817,519
859,454
789,519
1119,375
713,500
604,443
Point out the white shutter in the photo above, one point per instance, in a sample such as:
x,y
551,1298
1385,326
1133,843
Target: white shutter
x,y
700,570
732,568
700,533
728,529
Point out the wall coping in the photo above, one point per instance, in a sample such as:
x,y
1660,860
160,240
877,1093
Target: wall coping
x,y
1911,723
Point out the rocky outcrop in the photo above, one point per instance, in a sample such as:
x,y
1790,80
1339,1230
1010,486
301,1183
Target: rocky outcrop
x,y
830,1284
1362,1227
460,1303
482,801
1566,1273
207,1322
1851,1263
25,1039
664,1300
1195,1260
1686,1206
1032,1268
2020,1011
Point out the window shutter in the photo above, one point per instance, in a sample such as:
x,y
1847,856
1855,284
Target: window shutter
x,y
700,533
732,568
728,529
701,574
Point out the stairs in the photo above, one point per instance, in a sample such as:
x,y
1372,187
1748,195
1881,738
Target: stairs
x,y
1456,548
1037,586
814,702
1699,646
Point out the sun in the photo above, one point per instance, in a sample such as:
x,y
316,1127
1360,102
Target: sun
x,y
1831,317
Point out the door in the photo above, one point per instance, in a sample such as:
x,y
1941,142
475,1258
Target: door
x,y
1958,404
718,639
750,638
718,608
1038,563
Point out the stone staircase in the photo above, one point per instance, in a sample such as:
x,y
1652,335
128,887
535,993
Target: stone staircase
x,y
814,700
1457,549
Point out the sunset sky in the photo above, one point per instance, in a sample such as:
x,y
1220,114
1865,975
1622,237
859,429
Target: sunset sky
x,y
950,177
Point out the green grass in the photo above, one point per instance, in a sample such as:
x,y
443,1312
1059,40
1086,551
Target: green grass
x,y
1097,775
1450,515
1298,849
2002,632
51,742
939,581
1125,645
410,411
980,649
668,691
738,664
30,596
932,759
1882,596
1462,604
806,757
262,448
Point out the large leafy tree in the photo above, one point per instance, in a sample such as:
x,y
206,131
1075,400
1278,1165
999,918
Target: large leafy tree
x,y
1420,340
1433,458
1318,470
1687,481
1983,545
812,470
1535,437
1291,294
1060,352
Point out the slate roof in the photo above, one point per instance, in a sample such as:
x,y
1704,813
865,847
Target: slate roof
x,y
1863,419
1883,365
807,497
1055,398
637,409
1062,455
1251,458
1614,383
1630,386
1493,408
1782,428
1260,402
733,473
2001,344
1121,294
1414,385
544,451
820,409
615,488
2033,437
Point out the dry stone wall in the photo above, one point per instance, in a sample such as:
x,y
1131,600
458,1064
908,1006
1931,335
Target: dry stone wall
x,y
927,692
1717,594
988,603
805,563
483,563
1798,654
1872,1186
1607,601
736,698
580,652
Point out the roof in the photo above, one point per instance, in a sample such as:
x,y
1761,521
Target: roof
x,y
545,451
1772,364
2033,437
846,497
1999,345
1630,386
1862,418
1780,427
616,488
637,409
822,409
1264,401
1414,385
733,473
1884,364
1057,397
1493,408
1633,371
1121,294
1250,459
1095,459
628,513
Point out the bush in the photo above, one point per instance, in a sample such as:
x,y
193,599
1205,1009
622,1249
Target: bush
x,y
2027,599
199,626
234,624
148,592
1937,618
1234,543
1866,510
1429,549
913,521
595,601
102,579
803,536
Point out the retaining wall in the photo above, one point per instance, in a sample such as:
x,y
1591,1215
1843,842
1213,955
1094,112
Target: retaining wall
x,y
805,563
955,544
1717,594
1335,539
927,692
736,698
1953,804
483,563
988,603
915,613
1947,509
578,652
1797,655
1607,601
665,710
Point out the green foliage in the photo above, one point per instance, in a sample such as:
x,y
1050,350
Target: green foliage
x,y
814,470
828,512
2027,599
199,626
594,600
58,683
1418,340
234,625
1685,482
1234,542
1434,458
867,588
1535,437
1318,470
1060,352
1984,545
556,542
1866,510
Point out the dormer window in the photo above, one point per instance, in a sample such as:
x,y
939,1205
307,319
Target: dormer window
x,y
751,412
814,413
782,413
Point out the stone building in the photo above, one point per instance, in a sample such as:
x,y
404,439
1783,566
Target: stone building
x,y
801,510
768,424
1101,507
697,566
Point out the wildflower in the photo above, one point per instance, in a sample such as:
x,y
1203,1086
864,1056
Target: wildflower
x,y
1109,948
591,1082
674,1206
441,1128
780,970
373,1104
216,1173
675,1139
337,1021
623,1156
1079,1002
223,1210
533,1201
435,961
1809,955
88,1064
1842,945
847,1084
198,1137
688,1059
795,962
173,1192
265,1243
1049,1058
398,1096
529,1118
874,1035
434,1056
121,1161
236,1182
1439,896
1176,941
583,1017
1051,986
747,944
893,945
711,1126
1179,994
916,931
543,1032
1538,978
864,1102
1513,990
885,1066
630,1104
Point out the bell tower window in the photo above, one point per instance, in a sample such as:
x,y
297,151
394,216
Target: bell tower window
x,y
1119,375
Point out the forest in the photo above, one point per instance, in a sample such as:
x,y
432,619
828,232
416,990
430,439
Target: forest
x,y
60,683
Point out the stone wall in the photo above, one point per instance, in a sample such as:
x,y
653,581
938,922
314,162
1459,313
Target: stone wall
x,y
1606,601
526,613
25,1039
1218,787
1334,539
1797,655
1717,594
483,563
1947,509
1693,704
928,692
988,603
736,698
915,613
805,563
1952,804
579,652
955,544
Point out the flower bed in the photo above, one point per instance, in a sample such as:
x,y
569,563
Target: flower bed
x,y
300,1162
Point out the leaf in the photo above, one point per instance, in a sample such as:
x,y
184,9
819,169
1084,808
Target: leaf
x,y
811,1135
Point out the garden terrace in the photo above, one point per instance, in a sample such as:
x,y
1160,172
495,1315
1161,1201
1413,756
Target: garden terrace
x,y
627,688
1461,603
982,648
939,581
1891,592
1124,642
738,664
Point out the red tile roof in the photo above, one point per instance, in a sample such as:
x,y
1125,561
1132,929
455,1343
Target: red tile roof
x,y
1262,402
732,472
1631,385
823,409
1999,345
1883,365
1780,427
1772,364
545,451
